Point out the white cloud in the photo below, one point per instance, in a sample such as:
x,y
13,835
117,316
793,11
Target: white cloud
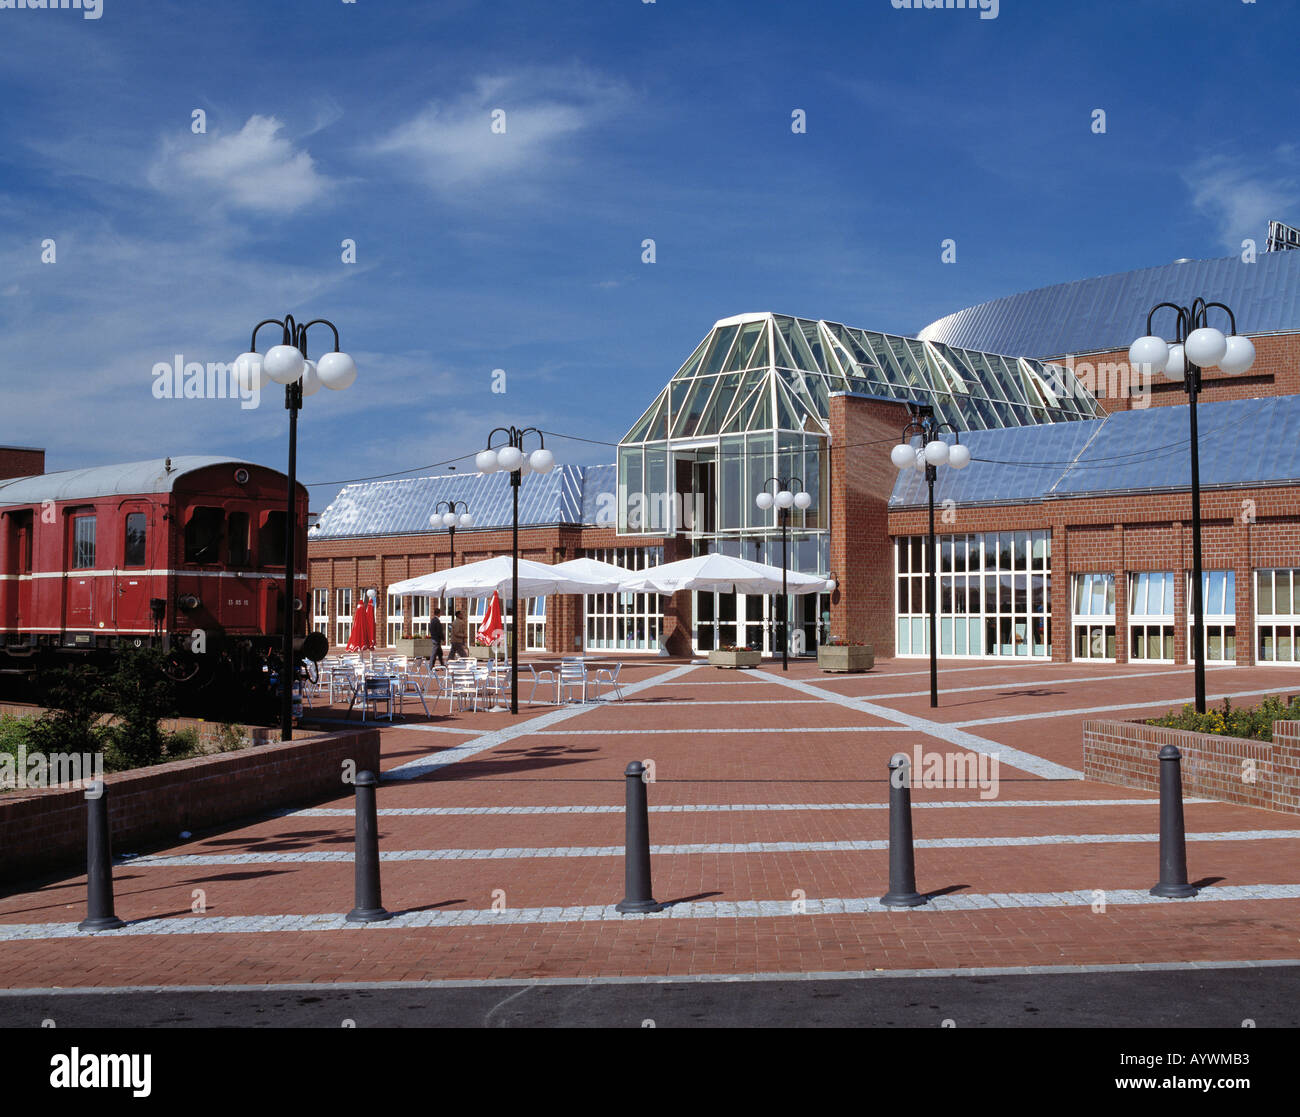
x,y
256,168
452,144
1240,199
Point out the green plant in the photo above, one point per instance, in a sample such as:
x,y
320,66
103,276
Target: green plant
x,y
230,738
1253,723
141,695
76,699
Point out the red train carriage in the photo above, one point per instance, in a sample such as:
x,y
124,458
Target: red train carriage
x,y
185,553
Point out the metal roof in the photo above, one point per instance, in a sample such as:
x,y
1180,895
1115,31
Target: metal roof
x,y
150,476
569,494
1130,451
1110,311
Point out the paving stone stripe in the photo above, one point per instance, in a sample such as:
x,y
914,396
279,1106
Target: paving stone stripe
x,y
696,732
711,808
1027,683
414,769
188,860
1172,703
698,909
954,735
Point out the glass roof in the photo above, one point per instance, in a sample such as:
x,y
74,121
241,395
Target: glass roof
x,y
773,371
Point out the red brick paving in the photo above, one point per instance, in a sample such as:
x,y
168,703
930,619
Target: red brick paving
x,y
782,767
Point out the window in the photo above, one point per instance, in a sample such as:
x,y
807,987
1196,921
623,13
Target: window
x,y
21,561
1094,616
995,594
1219,602
320,611
239,540
1151,616
134,538
1277,616
203,534
625,622
343,616
420,616
535,621
394,616
270,543
83,542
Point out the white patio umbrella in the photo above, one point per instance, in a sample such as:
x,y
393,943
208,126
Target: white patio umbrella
x,y
607,573
479,579
720,574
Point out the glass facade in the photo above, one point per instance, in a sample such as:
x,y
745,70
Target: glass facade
x,y
1093,616
1151,616
1219,601
995,594
342,615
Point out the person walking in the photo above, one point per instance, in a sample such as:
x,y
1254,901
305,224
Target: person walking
x,y
437,632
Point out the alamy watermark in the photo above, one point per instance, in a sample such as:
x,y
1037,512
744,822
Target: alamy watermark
x,y
949,770
182,379
27,770
90,9
988,9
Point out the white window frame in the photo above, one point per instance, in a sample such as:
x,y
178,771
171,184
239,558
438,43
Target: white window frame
x,y
1215,622
320,611
393,618
1142,620
343,615
1269,624
1103,620
608,618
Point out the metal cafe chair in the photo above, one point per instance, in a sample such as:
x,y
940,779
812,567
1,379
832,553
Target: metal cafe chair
x,y
544,676
609,678
377,691
573,674
464,686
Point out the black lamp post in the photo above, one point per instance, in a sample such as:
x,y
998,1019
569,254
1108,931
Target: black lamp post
x,y
511,457
784,500
287,364
1197,345
451,521
933,453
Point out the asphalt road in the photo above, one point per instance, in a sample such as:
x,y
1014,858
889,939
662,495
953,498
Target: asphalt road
x,y
1221,998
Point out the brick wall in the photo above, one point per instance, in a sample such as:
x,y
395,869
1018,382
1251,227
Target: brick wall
x,y
21,461
1230,769
45,830
1242,530
863,431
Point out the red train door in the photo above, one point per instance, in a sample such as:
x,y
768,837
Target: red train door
x,y
133,580
79,585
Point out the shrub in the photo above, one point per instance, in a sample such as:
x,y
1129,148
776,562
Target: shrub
x,y
230,738
1254,723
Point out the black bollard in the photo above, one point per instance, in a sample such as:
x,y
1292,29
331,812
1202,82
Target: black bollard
x,y
902,865
370,908
99,863
1173,840
637,857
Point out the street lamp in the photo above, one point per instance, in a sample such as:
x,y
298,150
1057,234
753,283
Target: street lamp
x,y
1197,345
513,460
784,500
451,521
926,459
287,364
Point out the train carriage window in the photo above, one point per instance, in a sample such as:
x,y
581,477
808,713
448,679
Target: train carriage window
x,y
134,549
238,535
203,534
83,542
270,542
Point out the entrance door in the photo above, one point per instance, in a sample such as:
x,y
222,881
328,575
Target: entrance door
x,y
79,586
131,589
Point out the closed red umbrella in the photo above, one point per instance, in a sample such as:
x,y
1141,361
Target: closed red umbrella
x,y
362,637
490,631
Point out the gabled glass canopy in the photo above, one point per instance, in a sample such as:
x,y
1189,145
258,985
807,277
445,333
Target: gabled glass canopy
x,y
753,402
774,372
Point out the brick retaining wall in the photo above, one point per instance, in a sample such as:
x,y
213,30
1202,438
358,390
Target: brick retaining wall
x,y
1214,767
45,830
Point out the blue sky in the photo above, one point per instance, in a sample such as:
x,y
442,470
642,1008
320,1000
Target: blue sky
x,y
522,251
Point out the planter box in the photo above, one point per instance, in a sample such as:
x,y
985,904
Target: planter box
x,y
479,651
1263,774
847,659
742,657
421,647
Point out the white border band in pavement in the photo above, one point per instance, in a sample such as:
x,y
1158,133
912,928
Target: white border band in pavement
x,y
1026,762
194,860
414,769
696,909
